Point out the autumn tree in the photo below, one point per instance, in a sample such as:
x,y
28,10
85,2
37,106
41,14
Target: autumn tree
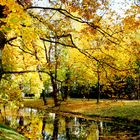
x,y
25,41
49,38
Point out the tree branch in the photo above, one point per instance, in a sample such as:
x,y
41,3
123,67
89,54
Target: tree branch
x,y
11,39
78,19
23,71
84,52
67,45
20,48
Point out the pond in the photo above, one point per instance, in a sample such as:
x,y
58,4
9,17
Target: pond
x,y
42,125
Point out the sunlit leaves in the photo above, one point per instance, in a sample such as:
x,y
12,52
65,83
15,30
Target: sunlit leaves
x,y
16,16
9,89
78,39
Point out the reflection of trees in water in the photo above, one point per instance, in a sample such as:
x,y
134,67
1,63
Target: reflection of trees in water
x,y
79,129
21,121
22,127
119,129
45,135
55,129
67,127
50,126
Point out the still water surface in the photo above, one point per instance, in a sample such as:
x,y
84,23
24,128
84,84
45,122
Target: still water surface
x,y
40,125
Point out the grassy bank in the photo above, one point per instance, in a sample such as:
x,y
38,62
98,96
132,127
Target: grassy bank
x,y
7,133
106,108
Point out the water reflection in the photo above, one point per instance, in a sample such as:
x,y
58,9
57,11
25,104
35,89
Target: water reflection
x,y
39,125
67,127
45,135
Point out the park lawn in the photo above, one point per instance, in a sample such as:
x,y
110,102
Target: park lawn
x,y
122,109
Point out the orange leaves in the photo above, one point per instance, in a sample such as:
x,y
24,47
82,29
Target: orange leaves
x,y
130,23
89,30
132,20
86,9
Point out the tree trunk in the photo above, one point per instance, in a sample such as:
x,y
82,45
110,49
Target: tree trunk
x,y
0,64
44,97
55,91
2,44
98,96
98,83
1,67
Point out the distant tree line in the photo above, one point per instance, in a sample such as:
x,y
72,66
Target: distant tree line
x,y
126,89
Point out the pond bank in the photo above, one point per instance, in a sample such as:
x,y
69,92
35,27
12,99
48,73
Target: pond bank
x,y
126,111
7,133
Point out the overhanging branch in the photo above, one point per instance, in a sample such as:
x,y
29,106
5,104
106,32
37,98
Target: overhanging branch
x,y
86,53
64,12
56,42
11,39
20,48
23,71
28,71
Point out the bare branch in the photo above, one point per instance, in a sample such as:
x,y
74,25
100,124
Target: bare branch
x,y
11,39
60,10
52,41
78,19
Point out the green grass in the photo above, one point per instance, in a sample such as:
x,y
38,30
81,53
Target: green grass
x,y
7,133
126,111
